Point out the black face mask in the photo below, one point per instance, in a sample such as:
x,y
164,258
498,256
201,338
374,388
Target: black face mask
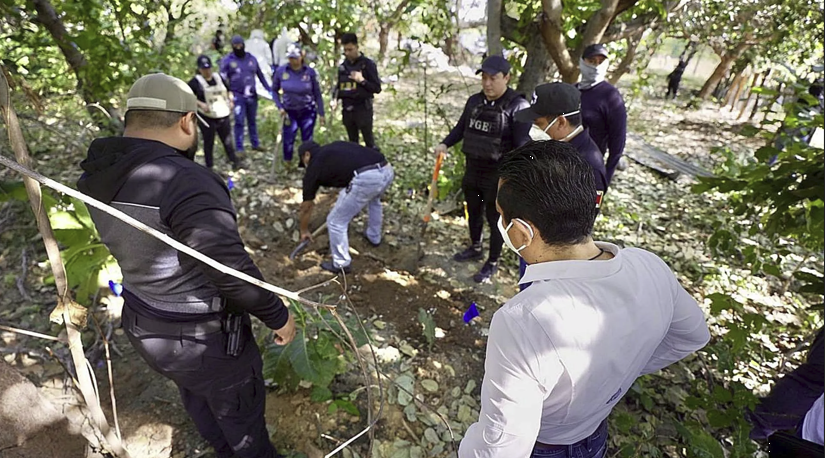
x,y
239,52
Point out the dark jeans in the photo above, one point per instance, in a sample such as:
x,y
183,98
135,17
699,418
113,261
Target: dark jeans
x,y
223,127
594,446
223,395
480,186
304,120
358,118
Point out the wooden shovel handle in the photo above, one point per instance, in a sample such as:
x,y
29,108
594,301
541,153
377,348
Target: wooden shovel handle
x,y
433,188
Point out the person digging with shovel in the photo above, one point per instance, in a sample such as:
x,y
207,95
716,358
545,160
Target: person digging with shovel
x,y
364,176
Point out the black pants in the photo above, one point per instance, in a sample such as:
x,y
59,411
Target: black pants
x,y
358,118
673,87
480,186
224,395
224,128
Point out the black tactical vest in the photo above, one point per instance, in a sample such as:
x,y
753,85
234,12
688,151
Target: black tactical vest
x,y
347,87
485,129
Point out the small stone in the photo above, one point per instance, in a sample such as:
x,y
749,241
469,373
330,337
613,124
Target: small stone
x,y
278,226
471,385
431,435
379,324
429,385
289,223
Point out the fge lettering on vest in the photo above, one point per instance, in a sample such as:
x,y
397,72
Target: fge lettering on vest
x,y
478,124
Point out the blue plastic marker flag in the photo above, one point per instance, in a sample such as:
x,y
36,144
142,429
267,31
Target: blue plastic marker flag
x,y
230,184
116,288
471,313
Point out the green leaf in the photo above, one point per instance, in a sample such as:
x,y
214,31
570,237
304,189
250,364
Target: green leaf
x,y
704,445
320,394
347,406
308,363
62,219
428,325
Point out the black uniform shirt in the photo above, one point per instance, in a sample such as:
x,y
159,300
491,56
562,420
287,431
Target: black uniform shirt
x,y
590,152
334,165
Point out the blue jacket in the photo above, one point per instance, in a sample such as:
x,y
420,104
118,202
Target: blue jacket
x,y
241,72
301,89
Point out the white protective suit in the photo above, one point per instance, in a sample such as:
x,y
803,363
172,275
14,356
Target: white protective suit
x,y
258,47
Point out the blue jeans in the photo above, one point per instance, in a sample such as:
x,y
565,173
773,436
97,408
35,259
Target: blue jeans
x,y
365,190
246,108
594,446
304,120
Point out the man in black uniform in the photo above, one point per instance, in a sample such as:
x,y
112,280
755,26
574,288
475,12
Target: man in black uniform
x,y
214,106
364,175
489,130
188,321
358,82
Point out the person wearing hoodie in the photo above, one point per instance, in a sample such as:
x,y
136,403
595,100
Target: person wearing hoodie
x,y
188,321
556,110
603,109
302,102
259,48
358,82
240,68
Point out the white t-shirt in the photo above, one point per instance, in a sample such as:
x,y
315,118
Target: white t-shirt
x,y
563,352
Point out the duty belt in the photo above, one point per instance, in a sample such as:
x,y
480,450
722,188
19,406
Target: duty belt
x,y
367,168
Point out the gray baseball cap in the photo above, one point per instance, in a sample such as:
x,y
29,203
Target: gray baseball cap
x,y
161,92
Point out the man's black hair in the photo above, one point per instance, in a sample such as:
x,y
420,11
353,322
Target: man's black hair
x,y
550,185
349,38
152,119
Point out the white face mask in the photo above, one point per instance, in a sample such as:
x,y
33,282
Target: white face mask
x,y
505,233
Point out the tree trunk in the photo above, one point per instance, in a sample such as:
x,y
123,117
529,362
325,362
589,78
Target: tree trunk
x,y
383,40
494,47
538,66
104,115
734,89
724,65
630,55
756,77
398,38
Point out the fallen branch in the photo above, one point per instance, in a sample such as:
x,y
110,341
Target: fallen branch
x,y
31,333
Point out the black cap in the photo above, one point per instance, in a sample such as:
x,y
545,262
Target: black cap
x,y
595,50
493,65
310,146
551,99
204,61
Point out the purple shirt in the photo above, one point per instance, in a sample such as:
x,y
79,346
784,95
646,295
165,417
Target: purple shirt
x,y
241,72
604,113
301,89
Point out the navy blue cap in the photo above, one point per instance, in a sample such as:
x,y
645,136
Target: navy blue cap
x,y
204,61
595,50
236,40
493,65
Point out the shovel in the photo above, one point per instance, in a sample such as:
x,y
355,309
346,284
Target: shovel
x,y
304,243
411,265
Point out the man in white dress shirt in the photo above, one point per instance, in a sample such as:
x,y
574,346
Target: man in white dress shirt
x,y
563,352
